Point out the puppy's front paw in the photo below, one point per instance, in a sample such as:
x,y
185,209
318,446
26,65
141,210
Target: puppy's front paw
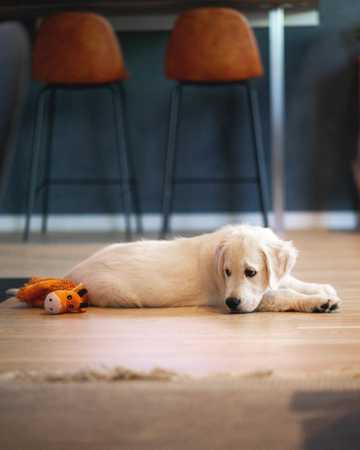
x,y
326,305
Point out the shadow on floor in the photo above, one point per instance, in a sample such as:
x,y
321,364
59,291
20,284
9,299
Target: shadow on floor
x,y
9,283
330,419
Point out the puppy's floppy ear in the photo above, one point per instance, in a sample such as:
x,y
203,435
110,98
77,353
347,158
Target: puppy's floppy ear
x,y
220,257
280,258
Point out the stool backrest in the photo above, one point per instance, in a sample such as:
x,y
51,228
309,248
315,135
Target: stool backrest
x,y
212,45
77,48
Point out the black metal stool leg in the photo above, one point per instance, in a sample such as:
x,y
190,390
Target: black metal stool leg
x,y
48,158
259,151
170,159
122,152
137,205
135,187
36,147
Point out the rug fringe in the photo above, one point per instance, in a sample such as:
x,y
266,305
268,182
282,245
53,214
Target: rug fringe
x,y
88,375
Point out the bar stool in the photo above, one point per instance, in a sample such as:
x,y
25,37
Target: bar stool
x,y
75,51
212,47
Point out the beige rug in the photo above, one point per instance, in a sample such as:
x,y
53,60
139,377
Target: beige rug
x,y
175,415
112,379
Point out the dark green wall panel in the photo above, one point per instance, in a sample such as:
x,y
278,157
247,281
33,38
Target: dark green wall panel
x,y
214,136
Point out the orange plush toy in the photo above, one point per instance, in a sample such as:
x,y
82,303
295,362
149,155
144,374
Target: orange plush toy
x,y
65,295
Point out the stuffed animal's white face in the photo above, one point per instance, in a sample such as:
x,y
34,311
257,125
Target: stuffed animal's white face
x,y
53,304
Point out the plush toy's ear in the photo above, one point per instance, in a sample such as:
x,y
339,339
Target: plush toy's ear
x,y
280,259
220,258
82,292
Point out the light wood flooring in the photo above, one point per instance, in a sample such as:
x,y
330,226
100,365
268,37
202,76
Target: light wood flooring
x,y
195,341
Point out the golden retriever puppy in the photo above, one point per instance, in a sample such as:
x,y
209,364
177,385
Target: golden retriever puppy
x,y
242,268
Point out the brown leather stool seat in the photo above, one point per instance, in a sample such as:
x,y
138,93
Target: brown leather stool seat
x,y
212,45
77,48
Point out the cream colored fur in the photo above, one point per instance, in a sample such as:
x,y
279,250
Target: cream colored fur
x,y
195,271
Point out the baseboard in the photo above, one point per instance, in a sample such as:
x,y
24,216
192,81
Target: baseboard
x,y
180,222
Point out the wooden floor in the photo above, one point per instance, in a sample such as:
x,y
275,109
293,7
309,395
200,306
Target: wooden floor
x,y
196,341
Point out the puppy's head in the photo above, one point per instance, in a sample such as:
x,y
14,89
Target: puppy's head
x,y
249,261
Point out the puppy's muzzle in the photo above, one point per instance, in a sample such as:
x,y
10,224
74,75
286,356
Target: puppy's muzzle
x,y
232,303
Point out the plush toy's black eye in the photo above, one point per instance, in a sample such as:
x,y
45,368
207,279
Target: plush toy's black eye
x,y
69,297
250,273
228,272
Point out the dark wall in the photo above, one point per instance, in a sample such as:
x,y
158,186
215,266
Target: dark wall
x,y
214,136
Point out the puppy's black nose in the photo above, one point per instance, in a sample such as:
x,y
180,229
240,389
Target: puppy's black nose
x,y
232,303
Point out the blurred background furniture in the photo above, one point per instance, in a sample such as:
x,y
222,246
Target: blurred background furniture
x,y
226,52
145,15
77,51
356,165
15,71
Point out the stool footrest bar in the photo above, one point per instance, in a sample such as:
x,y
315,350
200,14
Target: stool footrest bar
x,y
237,180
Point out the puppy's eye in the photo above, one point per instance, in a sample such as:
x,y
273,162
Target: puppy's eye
x,y
228,272
250,273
